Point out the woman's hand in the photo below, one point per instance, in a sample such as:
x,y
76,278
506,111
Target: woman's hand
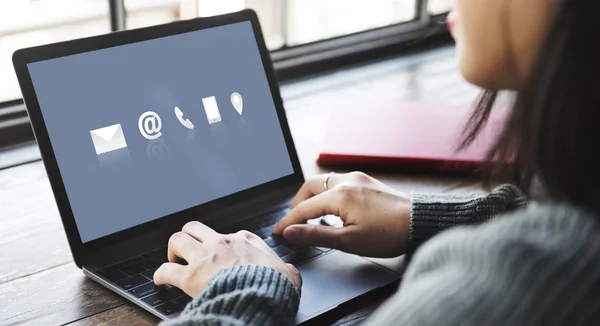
x,y
376,218
207,252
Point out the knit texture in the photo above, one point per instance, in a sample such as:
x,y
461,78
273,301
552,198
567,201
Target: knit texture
x,y
433,213
243,295
537,265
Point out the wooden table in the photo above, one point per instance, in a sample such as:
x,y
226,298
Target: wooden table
x,y
40,285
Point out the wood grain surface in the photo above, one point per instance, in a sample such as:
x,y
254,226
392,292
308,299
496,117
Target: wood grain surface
x,y
39,284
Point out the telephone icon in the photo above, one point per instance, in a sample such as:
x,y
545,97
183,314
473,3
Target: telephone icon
x,y
185,122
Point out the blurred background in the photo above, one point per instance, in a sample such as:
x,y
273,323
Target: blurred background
x,y
306,38
287,24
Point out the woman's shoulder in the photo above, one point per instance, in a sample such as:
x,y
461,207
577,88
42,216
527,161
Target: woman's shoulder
x,y
546,232
540,221
553,218
536,266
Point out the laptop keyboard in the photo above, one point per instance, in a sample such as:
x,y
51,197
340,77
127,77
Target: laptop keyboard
x,y
290,253
135,275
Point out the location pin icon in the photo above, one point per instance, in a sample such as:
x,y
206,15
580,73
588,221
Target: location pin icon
x,y
236,101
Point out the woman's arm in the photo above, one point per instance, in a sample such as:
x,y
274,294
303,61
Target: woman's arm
x,y
243,295
538,266
432,213
262,296
380,221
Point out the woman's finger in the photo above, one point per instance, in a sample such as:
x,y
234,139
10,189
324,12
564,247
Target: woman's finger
x,y
199,231
170,273
182,245
317,206
315,186
318,235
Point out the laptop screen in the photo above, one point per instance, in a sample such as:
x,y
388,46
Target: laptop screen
x,y
147,129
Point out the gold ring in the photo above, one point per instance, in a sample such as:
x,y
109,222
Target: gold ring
x,y
326,182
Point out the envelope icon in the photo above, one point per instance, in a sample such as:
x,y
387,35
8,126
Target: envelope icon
x,y
108,139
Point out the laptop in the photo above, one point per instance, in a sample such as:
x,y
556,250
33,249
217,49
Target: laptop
x,y
141,131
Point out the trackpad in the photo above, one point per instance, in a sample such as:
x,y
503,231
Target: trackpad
x,y
339,277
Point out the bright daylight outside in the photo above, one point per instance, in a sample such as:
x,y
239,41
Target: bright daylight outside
x,y
25,23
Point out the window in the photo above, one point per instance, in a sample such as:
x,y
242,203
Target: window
x,y
315,20
304,35
34,22
142,13
287,22
436,7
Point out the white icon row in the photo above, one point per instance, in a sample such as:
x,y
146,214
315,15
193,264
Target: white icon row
x,y
111,138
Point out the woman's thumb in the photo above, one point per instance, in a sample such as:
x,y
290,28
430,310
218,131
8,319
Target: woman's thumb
x,y
316,235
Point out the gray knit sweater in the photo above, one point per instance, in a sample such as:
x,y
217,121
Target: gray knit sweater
x,y
534,265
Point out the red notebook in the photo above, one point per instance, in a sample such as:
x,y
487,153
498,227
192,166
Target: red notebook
x,y
405,136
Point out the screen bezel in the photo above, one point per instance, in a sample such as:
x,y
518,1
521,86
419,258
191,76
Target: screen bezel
x,y
23,57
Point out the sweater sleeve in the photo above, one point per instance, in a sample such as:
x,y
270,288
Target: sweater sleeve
x,y
243,295
432,213
537,266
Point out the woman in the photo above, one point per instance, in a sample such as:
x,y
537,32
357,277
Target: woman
x,y
502,262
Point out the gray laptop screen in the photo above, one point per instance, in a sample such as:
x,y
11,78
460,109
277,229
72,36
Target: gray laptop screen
x,y
148,129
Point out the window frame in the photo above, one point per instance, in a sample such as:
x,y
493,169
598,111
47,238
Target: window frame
x,y
289,62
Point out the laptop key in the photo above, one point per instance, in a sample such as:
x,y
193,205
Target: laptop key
x,y
149,273
169,308
270,242
279,239
132,282
163,296
301,256
112,275
183,301
146,264
275,240
175,292
275,216
281,251
264,232
146,289
132,268
154,259
293,247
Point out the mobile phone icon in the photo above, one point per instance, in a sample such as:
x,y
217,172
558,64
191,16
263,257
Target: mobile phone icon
x,y
185,122
212,110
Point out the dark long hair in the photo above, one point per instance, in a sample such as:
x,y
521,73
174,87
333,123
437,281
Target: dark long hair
x,y
553,132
